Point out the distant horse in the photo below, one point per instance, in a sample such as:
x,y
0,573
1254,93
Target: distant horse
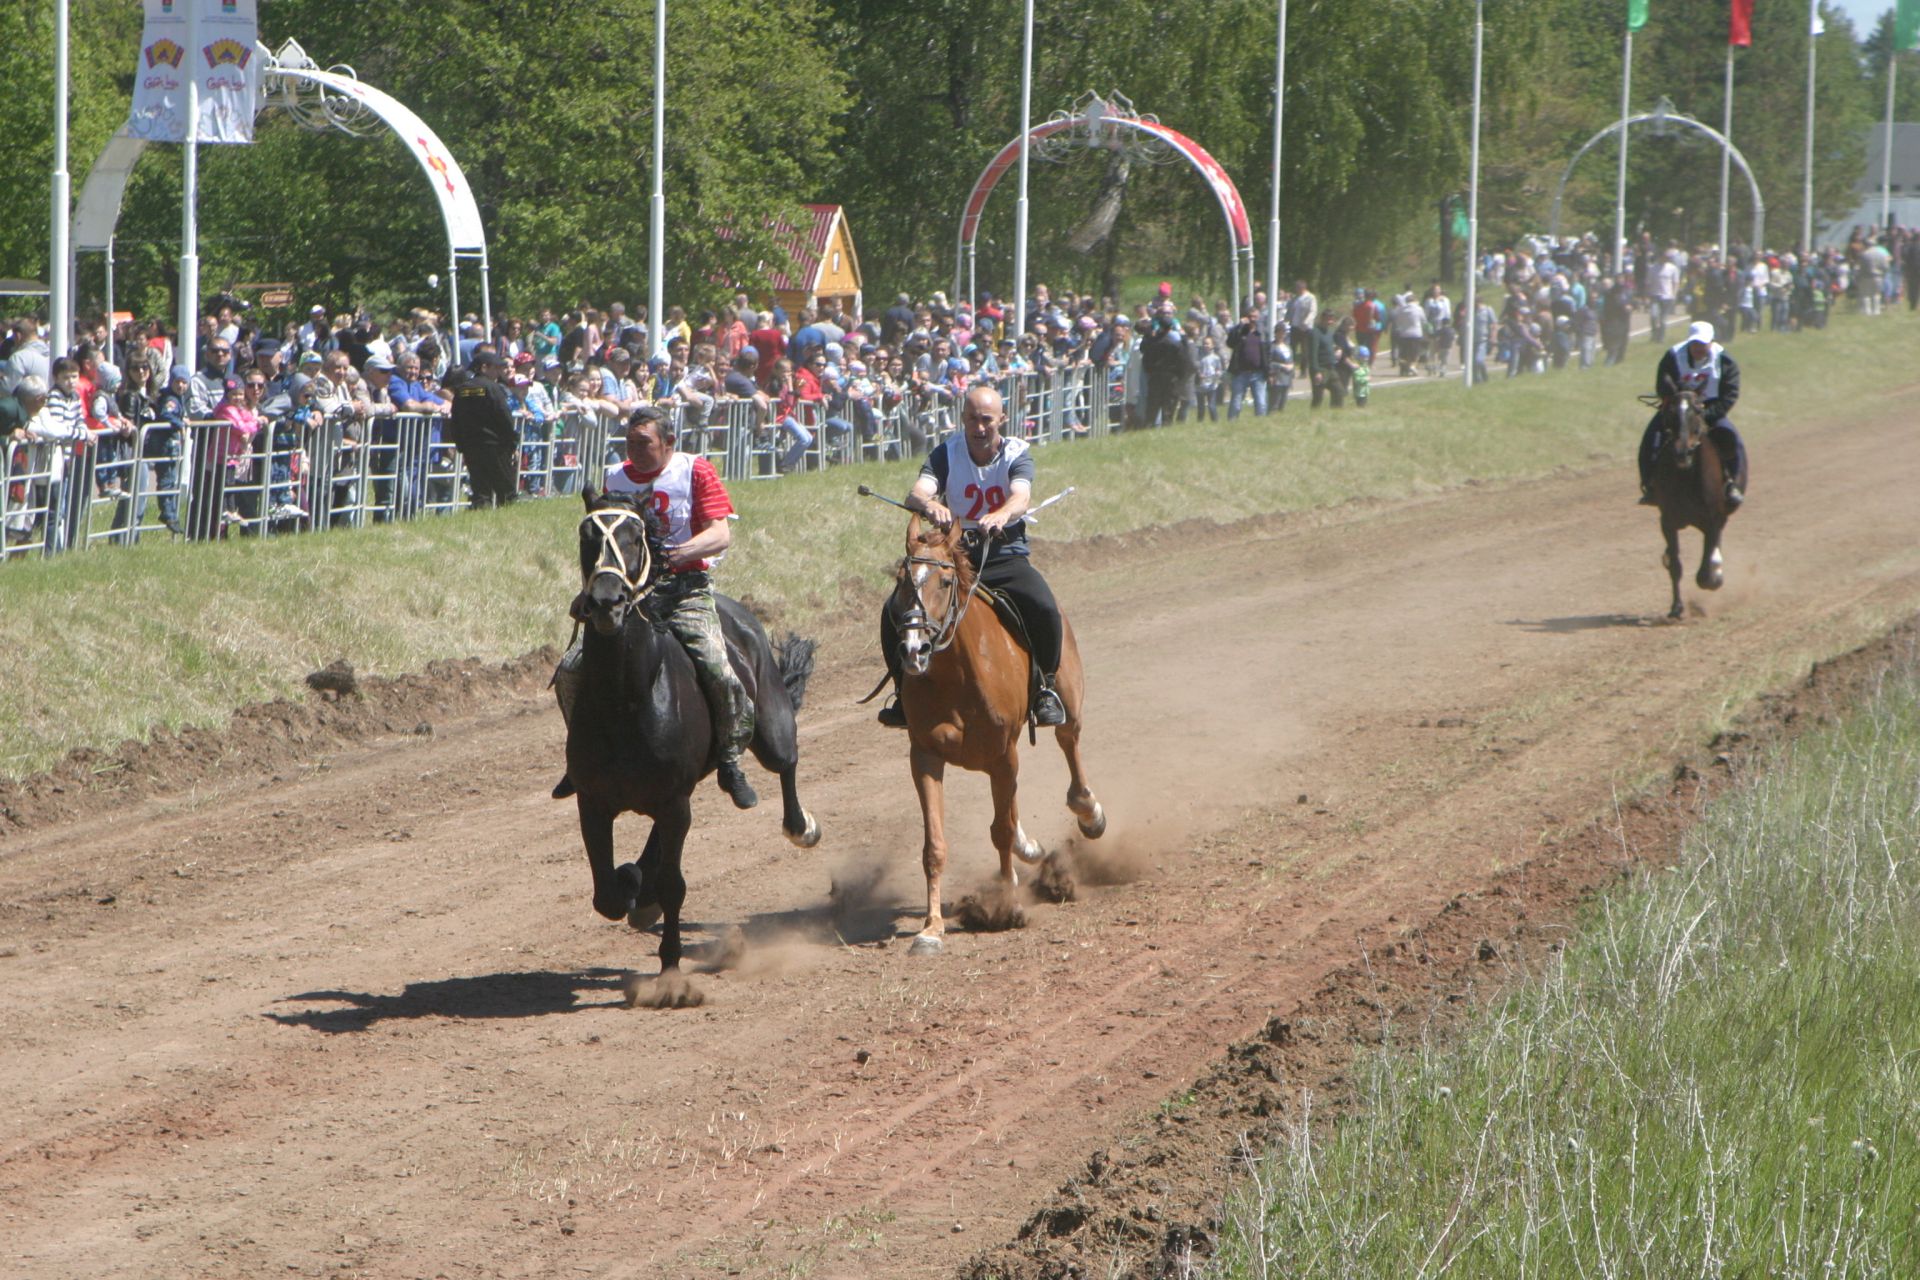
x,y
964,687
1689,485
639,735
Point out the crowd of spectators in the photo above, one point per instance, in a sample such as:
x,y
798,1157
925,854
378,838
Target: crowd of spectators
x,y
124,396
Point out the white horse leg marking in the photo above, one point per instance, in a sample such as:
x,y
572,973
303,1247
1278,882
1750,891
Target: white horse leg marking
x,y
1025,849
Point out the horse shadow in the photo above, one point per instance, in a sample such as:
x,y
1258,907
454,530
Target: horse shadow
x,y
1584,622
488,995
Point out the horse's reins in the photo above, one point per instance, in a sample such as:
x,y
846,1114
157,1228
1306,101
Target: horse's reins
x,y
957,604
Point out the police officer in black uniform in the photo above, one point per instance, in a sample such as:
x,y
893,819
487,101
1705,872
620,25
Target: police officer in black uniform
x,y
483,429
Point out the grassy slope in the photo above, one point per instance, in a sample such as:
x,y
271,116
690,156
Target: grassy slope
x,y
112,642
1718,1078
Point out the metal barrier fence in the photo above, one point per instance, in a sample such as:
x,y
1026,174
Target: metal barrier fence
x,y
200,482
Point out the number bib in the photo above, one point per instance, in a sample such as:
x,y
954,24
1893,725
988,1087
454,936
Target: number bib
x,y
672,494
971,490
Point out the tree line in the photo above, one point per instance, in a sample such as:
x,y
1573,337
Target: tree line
x,y
891,109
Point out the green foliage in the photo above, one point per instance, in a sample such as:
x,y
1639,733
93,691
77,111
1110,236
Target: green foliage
x,y
893,108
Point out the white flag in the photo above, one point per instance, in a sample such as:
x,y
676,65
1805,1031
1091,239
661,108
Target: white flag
x,y
1819,22
226,63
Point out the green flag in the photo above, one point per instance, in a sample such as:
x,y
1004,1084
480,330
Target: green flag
x,y
1636,14
1906,25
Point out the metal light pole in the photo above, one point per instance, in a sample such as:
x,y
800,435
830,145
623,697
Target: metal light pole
x,y
1620,185
1726,153
60,266
1473,201
1886,147
1273,220
1020,206
657,222
187,346
1814,27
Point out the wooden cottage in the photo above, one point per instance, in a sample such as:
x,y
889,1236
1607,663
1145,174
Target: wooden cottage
x,y
823,267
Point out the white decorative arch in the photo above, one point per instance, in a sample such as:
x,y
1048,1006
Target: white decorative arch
x,y
1661,118
318,99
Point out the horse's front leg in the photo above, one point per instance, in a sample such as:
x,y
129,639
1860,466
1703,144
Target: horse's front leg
x,y
612,896
1710,577
929,780
1008,836
669,840
1672,560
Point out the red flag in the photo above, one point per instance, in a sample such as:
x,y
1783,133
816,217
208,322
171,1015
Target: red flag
x,y
1740,27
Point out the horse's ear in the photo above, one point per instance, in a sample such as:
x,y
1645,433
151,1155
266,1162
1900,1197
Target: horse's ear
x,y
913,531
589,496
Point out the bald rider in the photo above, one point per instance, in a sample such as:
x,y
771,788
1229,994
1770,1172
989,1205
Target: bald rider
x,y
1702,366
984,481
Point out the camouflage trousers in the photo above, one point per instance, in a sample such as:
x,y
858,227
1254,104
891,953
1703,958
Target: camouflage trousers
x,y
684,602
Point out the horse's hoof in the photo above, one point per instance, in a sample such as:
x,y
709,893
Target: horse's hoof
x,y
671,990
643,916
1096,826
809,835
926,944
1026,848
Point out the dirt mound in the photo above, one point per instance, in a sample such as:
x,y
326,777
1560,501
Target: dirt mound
x,y
261,739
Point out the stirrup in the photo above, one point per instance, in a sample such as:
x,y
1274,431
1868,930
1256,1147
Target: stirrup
x,y
892,714
734,782
1048,710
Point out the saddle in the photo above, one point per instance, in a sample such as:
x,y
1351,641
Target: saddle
x,y
1003,608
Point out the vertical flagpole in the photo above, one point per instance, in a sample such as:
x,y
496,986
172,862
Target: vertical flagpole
x,y
1273,220
657,221
187,347
1886,147
1806,203
1020,206
1473,202
59,268
1620,186
1726,153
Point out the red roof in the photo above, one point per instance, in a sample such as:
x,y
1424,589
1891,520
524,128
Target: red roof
x,y
806,246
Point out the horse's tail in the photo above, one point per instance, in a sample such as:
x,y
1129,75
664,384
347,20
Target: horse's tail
x,y
795,655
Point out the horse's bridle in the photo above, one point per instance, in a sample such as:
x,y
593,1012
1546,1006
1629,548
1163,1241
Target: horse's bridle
x,y
606,520
957,602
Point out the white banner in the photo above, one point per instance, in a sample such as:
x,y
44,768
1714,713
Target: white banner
x,y
226,62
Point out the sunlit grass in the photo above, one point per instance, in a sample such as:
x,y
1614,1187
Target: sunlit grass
x,y
1717,1079
106,644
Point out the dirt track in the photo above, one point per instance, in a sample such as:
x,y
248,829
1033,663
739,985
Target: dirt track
x,y
359,1019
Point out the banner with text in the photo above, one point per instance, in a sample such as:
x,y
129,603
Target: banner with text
x,y
226,63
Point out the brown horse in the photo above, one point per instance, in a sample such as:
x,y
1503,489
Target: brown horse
x,y
1689,485
964,689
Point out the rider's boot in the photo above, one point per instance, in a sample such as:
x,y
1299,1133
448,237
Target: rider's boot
x,y
1646,497
1048,710
892,714
1734,496
734,782
563,788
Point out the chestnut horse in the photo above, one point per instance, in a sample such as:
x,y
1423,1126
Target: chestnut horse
x,y
1689,485
964,689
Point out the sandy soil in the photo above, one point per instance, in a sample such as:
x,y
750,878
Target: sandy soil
x,y
324,995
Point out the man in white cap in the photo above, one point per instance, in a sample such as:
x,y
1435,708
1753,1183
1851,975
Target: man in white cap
x,y
1702,366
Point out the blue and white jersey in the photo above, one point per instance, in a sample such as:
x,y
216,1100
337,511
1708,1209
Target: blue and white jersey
x,y
970,490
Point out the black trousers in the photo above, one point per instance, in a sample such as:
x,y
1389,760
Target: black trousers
x,y
1015,577
491,471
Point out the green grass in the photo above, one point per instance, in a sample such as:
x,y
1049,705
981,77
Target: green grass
x,y
1717,1079
109,643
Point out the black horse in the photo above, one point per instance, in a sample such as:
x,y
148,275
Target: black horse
x,y
639,735
1689,485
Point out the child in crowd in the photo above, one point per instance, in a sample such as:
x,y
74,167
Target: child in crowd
x,y
1362,376
1212,367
